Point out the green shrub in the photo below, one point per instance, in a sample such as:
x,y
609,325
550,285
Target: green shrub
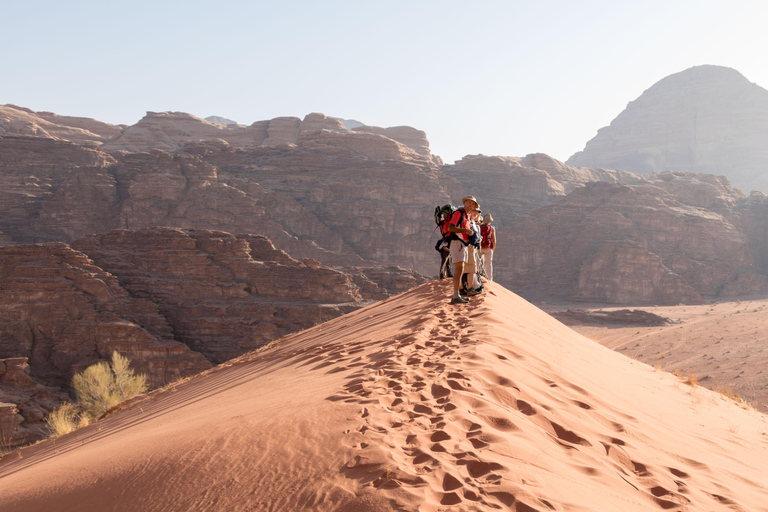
x,y
102,386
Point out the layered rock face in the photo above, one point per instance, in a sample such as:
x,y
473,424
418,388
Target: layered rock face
x,y
174,301
63,313
221,298
53,190
316,189
616,237
707,119
630,244
59,314
510,187
363,199
23,121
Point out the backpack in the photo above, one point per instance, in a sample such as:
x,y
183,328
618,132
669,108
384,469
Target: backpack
x,y
442,215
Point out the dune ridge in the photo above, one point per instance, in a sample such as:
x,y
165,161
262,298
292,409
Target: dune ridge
x,y
412,404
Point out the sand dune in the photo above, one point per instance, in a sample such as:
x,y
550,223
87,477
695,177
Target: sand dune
x,y
412,404
723,343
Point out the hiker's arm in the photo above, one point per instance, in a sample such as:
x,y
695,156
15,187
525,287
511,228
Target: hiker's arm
x,y
454,229
493,239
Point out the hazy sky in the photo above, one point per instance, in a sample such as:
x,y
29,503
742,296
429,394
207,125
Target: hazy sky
x,y
497,78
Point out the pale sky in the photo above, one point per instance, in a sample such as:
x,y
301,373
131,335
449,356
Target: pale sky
x,y
493,77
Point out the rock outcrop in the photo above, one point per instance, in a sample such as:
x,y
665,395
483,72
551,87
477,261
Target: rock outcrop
x,y
23,121
316,189
361,201
706,119
63,313
223,295
630,244
174,301
24,404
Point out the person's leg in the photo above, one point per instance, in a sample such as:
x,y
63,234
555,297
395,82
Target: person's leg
x,y
443,264
470,268
489,264
458,271
459,256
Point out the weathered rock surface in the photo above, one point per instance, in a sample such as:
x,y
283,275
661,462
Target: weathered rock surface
x,y
63,313
510,187
172,300
24,404
706,119
364,198
223,295
630,244
60,313
338,196
23,121
53,190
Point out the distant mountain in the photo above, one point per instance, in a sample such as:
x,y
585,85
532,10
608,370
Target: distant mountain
x,y
220,120
706,119
351,124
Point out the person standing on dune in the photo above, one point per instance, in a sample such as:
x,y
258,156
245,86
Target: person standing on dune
x,y
459,226
488,245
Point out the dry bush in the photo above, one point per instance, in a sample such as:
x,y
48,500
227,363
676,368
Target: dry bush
x,y
63,420
736,397
692,379
102,386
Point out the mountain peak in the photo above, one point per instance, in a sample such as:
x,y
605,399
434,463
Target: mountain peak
x,y
705,119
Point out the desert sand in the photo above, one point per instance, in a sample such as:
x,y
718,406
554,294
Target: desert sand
x,y
412,404
723,344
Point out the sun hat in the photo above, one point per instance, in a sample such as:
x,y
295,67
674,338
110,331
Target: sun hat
x,y
471,198
487,218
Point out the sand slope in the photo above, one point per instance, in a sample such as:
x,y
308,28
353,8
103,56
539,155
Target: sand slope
x,y
723,343
412,404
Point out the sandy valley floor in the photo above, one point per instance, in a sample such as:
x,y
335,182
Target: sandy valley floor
x,y
724,344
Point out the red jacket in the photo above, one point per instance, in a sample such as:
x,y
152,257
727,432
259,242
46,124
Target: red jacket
x,y
488,234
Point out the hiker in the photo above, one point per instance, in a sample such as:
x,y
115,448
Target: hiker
x,y
487,245
459,226
473,252
442,247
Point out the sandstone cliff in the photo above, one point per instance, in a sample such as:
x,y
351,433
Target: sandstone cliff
x,y
706,119
23,121
630,244
222,295
316,189
174,301
363,198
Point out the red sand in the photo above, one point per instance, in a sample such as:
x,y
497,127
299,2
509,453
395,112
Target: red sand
x,y
723,344
412,404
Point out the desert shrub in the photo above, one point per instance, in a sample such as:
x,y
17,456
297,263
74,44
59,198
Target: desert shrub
x,y
63,420
102,386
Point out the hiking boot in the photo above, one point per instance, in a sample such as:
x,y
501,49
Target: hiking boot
x,y
473,291
459,300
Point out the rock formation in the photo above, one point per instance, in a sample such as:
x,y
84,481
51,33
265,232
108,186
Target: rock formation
x,y
630,244
706,119
222,295
363,199
64,313
316,189
173,301
23,121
